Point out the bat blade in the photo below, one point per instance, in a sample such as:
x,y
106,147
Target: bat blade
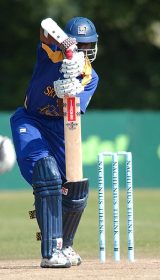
x,y
73,142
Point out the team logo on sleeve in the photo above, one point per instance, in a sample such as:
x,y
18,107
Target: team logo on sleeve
x,y
22,130
82,30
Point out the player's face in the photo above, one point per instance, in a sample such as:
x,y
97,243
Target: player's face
x,y
89,49
84,46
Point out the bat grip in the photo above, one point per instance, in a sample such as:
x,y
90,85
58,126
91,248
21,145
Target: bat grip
x,y
69,53
68,46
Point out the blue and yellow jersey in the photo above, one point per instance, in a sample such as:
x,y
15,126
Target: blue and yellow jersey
x,y
40,96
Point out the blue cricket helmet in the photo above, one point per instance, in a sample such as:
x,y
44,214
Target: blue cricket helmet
x,y
85,32
82,29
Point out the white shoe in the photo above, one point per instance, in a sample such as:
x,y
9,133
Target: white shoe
x,y
74,258
58,259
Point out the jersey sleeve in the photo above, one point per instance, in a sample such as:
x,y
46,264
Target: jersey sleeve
x,y
87,93
46,53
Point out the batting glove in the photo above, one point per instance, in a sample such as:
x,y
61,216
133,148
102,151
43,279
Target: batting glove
x,y
72,68
67,87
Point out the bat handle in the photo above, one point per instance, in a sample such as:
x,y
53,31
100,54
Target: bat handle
x,y
69,47
69,53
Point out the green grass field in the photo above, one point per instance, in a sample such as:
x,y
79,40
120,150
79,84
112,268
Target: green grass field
x,y
17,231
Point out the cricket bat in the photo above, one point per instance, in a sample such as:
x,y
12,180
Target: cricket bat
x,y
72,113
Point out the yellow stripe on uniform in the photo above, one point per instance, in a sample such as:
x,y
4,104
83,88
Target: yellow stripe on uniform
x,y
55,56
87,73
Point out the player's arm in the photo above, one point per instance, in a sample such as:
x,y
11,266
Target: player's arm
x,y
87,93
51,33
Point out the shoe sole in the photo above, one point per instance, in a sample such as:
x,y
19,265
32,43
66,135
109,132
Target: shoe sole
x,y
77,263
67,265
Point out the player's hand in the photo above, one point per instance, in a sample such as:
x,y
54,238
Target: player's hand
x,y
67,87
72,68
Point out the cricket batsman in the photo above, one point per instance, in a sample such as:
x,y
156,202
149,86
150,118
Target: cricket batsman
x,y
38,135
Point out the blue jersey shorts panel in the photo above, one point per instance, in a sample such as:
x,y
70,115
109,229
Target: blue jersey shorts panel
x,y
35,138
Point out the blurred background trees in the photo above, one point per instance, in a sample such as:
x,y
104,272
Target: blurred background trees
x,y
128,61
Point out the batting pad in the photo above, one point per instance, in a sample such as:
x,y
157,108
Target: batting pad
x,y
74,201
48,204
